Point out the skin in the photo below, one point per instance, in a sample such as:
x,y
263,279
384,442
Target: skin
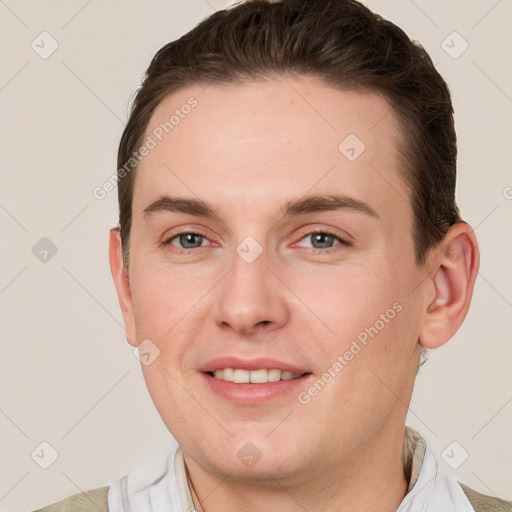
x,y
246,150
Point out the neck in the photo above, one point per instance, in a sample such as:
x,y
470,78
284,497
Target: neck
x,y
374,480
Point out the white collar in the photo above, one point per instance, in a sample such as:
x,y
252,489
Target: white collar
x,y
431,489
161,485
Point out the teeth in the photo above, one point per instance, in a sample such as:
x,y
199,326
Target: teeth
x,y
226,374
254,376
274,375
258,376
241,377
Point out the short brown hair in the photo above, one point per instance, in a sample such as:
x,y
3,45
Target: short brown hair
x,y
340,42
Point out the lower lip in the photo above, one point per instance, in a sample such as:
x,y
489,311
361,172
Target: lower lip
x,y
254,394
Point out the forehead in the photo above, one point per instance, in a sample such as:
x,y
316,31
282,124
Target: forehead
x,y
261,143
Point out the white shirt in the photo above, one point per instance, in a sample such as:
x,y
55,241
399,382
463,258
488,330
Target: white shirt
x,y
161,485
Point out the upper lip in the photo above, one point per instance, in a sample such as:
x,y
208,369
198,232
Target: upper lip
x,y
258,363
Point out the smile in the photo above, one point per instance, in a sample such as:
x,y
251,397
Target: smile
x,y
263,376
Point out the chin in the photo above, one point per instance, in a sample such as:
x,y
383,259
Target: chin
x,y
253,458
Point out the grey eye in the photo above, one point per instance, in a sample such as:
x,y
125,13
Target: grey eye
x,y
190,240
322,240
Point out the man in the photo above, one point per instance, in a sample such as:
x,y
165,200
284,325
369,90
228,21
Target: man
x,y
288,245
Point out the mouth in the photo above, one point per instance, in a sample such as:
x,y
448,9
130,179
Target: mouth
x,y
255,381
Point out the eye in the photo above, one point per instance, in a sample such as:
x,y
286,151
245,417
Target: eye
x,y
323,241
186,240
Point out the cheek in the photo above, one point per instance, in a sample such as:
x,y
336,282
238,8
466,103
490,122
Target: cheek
x,y
162,295
169,309
347,298
152,305
368,328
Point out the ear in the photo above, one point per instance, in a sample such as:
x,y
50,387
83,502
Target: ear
x,y
450,285
122,283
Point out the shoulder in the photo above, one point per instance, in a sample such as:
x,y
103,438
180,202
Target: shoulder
x,y
89,501
484,503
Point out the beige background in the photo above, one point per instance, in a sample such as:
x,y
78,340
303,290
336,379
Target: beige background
x,y
67,375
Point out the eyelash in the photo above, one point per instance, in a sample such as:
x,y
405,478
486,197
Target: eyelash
x,y
343,242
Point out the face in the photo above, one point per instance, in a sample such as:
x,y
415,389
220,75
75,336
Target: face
x,y
271,241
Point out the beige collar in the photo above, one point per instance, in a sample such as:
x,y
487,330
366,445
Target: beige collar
x,y
413,454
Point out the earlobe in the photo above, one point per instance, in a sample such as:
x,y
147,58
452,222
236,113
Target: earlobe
x,y
122,284
456,268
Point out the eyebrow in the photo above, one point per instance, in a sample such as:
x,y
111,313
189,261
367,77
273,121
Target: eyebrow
x,y
295,207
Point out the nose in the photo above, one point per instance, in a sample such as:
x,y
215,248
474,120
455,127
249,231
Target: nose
x,y
252,299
